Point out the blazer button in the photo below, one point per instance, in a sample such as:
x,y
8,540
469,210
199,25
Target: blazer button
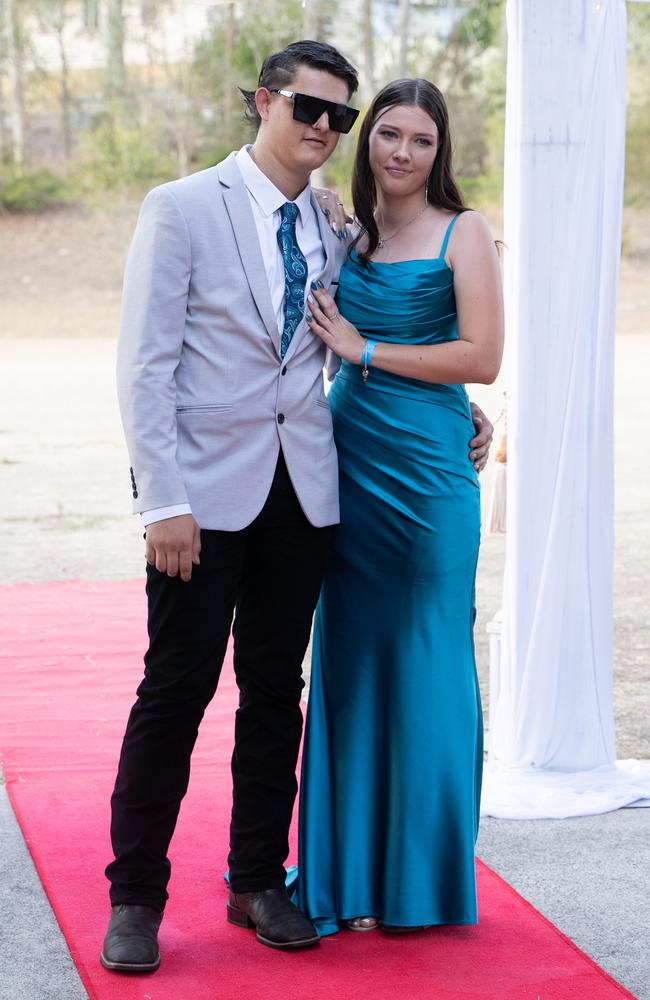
x,y
284,370
135,494
280,418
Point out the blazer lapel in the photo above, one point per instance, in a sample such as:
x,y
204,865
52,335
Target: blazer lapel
x,y
239,209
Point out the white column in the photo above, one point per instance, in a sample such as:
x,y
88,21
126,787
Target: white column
x,y
553,744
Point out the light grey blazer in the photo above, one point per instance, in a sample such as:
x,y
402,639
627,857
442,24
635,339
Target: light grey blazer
x,y
206,400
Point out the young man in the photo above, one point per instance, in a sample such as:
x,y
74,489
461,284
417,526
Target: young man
x,y
234,470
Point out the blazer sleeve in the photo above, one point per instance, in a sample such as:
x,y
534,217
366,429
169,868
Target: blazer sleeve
x,y
154,305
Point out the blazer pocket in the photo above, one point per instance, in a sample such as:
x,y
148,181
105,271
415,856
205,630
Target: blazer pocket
x,y
205,408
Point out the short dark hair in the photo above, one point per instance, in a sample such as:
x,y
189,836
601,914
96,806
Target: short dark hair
x,y
441,190
279,69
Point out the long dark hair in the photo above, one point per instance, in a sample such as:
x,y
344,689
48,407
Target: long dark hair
x,y
442,189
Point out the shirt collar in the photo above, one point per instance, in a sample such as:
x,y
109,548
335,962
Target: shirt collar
x,y
268,198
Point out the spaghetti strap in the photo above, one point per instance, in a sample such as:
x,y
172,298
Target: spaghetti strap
x,y
443,248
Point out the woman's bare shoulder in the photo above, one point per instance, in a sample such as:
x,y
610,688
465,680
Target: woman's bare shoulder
x,y
472,222
470,236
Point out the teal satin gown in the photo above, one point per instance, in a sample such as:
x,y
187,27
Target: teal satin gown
x,y
393,751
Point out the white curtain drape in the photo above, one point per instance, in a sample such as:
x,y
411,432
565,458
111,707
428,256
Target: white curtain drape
x,y
552,745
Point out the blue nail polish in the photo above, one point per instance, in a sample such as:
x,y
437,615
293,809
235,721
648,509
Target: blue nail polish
x,y
314,286
326,213
319,284
342,234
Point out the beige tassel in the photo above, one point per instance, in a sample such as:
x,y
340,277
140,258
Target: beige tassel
x,y
497,518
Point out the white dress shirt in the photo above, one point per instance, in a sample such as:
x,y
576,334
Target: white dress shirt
x,y
266,201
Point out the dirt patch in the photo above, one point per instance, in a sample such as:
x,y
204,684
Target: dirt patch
x,y
62,271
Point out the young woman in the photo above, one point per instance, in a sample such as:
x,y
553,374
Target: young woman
x,y
393,747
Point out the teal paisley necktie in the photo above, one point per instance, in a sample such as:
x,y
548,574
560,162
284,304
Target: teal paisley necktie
x,y
295,274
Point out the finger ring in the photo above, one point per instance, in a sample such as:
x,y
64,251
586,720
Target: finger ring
x,y
333,317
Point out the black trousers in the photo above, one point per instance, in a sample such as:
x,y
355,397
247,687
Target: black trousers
x,y
269,575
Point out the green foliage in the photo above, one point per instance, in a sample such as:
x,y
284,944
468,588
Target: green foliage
x,y
231,55
480,27
637,155
33,191
483,193
337,172
121,157
185,117
637,143
638,31
213,154
470,70
468,118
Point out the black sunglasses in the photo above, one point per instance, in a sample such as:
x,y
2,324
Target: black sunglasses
x,y
308,110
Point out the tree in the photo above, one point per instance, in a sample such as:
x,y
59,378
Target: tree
x,y
14,43
637,151
115,69
52,17
473,87
367,31
317,19
404,11
230,28
232,53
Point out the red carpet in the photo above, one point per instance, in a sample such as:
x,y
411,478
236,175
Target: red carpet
x,y
70,664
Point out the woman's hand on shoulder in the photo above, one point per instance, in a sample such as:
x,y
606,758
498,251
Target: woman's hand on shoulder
x,y
334,211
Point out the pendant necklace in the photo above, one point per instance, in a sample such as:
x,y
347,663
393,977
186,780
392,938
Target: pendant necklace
x,y
383,240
